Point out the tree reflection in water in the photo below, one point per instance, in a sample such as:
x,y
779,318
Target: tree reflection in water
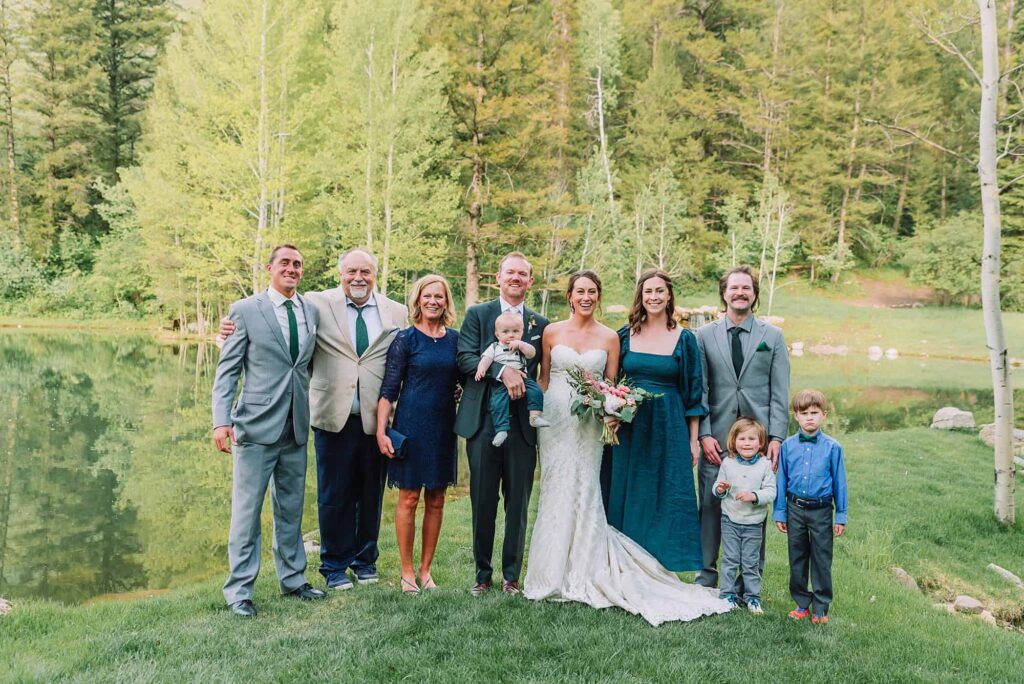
x,y
108,480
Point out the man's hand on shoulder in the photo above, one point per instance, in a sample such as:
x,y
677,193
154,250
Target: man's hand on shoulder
x,y
227,326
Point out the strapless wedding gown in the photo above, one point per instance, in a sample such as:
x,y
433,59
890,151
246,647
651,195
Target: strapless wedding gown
x,y
574,554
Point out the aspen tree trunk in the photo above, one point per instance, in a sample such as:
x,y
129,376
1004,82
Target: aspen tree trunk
x,y
990,262
768,98
277,208
385,257
781,218
262,163
8,103
844,208
662,227
369,142
475,187
603,139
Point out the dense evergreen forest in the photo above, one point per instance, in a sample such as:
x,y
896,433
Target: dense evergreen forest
x,y
153,152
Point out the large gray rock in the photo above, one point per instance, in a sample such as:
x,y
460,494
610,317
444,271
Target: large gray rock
x,y
987,433
905,578
967,604
952,418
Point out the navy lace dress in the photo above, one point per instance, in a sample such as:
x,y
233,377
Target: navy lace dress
x,y
420,376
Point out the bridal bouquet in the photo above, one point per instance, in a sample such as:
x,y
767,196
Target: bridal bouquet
x,y
599,399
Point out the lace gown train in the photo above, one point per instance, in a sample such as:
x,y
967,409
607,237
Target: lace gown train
x,y
574,554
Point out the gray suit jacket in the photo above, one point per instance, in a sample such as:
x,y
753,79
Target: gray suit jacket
x,y
273,387
760,392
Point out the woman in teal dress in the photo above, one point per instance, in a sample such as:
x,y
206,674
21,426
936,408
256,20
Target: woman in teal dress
x,y
651,495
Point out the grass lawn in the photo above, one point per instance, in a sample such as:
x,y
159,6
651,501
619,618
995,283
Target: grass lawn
x,y
839,315
920,499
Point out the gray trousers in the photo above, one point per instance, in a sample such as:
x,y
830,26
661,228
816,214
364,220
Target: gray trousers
x,y
809,535
741,548
711,526
282,466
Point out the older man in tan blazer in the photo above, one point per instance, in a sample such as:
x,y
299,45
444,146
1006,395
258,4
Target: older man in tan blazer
x,y
357,326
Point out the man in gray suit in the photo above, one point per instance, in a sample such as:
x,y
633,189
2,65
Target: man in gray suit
x,y
746,373
267,430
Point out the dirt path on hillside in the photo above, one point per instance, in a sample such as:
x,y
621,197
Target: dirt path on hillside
x,y
880,293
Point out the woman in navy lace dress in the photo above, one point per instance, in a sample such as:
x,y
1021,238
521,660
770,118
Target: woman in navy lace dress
x,y
421,370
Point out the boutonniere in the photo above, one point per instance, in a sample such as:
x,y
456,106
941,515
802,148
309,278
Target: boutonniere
x,y
533,320
763,346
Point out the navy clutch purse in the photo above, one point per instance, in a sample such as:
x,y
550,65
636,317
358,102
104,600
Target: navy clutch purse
x,y
398,442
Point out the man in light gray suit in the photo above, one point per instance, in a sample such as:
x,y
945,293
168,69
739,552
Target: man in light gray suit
x,y
267,430
746,373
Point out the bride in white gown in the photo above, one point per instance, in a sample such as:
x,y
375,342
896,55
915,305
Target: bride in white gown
x,y
574,554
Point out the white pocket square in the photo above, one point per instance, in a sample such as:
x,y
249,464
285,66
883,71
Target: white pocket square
x,y
535,337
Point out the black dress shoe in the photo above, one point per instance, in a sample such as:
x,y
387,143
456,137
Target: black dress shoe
x,y
243,609
307,593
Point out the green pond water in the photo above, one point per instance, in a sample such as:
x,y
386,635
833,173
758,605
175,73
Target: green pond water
x,y
110,486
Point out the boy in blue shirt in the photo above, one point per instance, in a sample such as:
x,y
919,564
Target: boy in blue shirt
x,y
811,481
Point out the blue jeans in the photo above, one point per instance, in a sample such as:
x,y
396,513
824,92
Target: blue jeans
x,y
500,403
741,554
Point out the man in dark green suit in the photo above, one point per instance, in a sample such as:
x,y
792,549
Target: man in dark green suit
x,y
507,468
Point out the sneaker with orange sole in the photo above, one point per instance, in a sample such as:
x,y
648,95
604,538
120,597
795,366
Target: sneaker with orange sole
x,y
799,613
819,619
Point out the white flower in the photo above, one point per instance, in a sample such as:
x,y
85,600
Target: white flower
x,y
613,403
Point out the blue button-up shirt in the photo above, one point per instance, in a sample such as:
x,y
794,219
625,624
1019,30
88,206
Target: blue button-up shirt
x,y
811,470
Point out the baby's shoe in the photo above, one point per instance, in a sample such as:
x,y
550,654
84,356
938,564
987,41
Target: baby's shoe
x,y
499,438
819,619
539,421
754,605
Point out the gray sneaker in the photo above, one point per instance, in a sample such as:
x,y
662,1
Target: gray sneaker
x,y
366,576
340,583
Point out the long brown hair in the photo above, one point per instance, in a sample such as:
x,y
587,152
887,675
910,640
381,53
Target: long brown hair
x,y
638,314
584,273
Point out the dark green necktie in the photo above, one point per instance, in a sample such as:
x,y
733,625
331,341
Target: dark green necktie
x,y
362,336
293,331
737,349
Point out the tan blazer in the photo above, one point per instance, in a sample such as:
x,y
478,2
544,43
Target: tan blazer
x,y
336,367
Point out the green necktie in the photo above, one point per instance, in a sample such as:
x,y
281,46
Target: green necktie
x,y
362,336
293,331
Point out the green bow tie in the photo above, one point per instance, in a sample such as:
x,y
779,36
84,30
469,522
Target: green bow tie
x,y
809,438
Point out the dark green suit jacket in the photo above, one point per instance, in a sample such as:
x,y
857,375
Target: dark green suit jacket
x,y
476,333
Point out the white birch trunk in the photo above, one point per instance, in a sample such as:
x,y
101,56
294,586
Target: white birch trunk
x,y
389,183
369,143
603,139
990,262
262,151
781,218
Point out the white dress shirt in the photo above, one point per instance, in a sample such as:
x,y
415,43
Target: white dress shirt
x,y
374,327
278,300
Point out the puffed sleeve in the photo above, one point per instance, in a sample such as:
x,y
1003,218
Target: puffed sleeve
x,y
691,382
397,363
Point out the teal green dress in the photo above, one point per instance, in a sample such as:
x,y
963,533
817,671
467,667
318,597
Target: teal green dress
x,y
651,495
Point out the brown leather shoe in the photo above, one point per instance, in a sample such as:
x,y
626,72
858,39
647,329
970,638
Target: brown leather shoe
x,y
480,588
510,587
